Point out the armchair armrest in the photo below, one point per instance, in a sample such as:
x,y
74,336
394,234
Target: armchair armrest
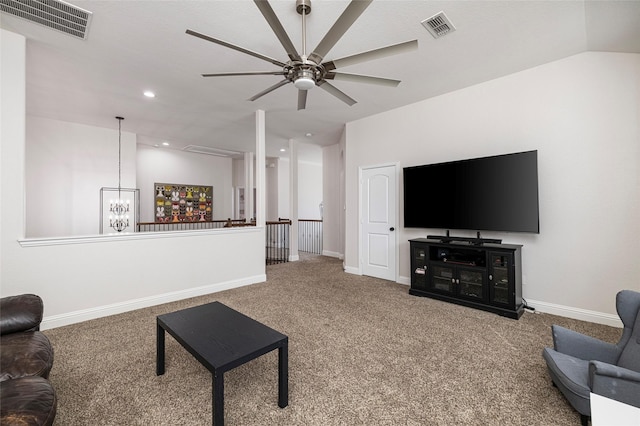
x,y
617,383
582,346
20,313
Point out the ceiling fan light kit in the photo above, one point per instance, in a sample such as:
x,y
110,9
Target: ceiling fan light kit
x,y
306,72
305,80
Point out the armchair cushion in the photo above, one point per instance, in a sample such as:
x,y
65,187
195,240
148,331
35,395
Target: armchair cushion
x,y
20,313
571,376
25,354
27,401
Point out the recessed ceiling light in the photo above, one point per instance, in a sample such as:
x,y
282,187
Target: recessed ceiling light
x,y
149,94
282,150
308,135
165,143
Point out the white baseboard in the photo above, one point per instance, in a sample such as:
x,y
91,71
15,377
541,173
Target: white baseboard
x,y
576,313
60,320
332,254
352,270
562,311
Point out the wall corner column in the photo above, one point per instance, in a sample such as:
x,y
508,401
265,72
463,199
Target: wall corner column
x,y
260,168
293,199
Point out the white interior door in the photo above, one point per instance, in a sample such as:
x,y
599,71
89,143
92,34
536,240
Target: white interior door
x,y
378,222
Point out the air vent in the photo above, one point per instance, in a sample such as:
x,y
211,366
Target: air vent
x,y
438,25
54,14
211,151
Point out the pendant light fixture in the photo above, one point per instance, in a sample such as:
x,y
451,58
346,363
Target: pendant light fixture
x,y
119,208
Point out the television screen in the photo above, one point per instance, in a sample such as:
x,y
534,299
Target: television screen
x,y
498,193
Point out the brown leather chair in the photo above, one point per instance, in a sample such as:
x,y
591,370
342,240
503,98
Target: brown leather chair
x,y
26,358
29,400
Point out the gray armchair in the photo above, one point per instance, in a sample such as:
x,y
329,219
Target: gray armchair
x,y
579,364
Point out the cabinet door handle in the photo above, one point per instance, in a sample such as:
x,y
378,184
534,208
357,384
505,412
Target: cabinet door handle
x,y
490,277
453,280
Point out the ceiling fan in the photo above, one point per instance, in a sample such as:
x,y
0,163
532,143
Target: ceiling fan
x,y
306,72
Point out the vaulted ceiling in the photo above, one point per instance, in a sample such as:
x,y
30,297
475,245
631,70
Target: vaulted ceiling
x,y
133,46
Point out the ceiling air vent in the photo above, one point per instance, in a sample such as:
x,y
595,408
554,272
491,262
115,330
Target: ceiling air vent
x,y
211,151
54,14
438,25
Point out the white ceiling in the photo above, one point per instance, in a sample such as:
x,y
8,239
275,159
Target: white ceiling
x,y
133,46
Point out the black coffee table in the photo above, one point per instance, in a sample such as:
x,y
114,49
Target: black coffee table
x,y
222,339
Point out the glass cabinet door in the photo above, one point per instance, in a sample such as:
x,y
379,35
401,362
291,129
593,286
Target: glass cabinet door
x,y
499,278
471,283
442,278
419,267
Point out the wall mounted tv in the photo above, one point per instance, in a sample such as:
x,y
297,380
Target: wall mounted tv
x,y
498,193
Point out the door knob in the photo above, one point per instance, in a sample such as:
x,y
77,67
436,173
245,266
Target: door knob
x,y
392,229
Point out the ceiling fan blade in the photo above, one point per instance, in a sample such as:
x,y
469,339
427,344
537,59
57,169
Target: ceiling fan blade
x,y
302,99
370,55
336,92
358,78
228,74
238,48
344,22
270,89
277,28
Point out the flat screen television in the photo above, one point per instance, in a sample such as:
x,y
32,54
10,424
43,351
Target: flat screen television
x,y
497,193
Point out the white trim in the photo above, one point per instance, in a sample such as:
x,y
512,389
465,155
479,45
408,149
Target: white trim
x,y
553,309
576,313
145,302
332,254
352,270
56,241
294,258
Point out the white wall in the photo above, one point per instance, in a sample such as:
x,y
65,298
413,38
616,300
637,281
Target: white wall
x,y
331,237
67,164
158,165
238,181
582,114
83,278
284,196
309,190
272,195
310,183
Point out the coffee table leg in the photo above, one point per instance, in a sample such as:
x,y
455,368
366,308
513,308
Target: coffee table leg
x,y
283,374
159,350
218,398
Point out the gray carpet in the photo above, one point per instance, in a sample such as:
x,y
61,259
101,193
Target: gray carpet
x,y
362,351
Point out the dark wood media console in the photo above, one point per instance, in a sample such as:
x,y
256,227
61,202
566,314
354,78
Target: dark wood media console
x,y
485,276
